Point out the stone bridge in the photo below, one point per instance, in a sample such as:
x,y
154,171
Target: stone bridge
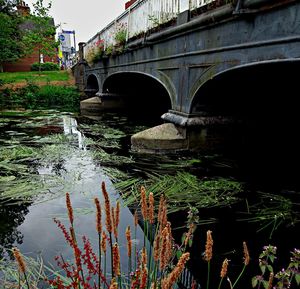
x,y
219,63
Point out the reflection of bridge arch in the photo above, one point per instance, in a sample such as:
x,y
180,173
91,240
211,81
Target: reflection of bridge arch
x,y
140,92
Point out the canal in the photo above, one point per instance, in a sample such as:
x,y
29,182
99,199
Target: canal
x,y
240,194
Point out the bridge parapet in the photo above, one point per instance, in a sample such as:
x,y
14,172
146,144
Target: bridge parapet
x,y
141,17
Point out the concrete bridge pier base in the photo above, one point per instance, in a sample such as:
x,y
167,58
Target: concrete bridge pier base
x,y
101,102
182,132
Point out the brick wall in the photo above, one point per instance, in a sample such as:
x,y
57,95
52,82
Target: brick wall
x,y
24,64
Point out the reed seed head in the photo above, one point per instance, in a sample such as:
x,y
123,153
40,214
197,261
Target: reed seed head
x,y
208,246
19,259
107,208
114,222
103,242
174,275
116,260
129,242
69,208
224,268
246,254
98,216
118,214
113,284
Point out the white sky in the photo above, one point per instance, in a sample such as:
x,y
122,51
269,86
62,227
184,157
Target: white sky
x,y
86,17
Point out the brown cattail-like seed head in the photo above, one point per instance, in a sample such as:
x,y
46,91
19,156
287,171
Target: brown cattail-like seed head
x,y
144,257
208,246
144,277
163,258
174,275
116,259
129,242
107,208
169,243
156,247
69,208
20,260
113,284
246,254
144,205
103,242
189,234
151,208
117,214
223,272
98,216
114,223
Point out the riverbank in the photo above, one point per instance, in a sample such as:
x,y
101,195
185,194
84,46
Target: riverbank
x,y
17,80
30,90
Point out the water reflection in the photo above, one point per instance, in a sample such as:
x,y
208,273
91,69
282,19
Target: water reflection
x,y
68,159
70,127
10,219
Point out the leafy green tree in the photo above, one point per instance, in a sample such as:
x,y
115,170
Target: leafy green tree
x,y
11,47
7,6
40,32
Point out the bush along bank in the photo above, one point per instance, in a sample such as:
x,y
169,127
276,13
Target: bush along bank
x,y
33,96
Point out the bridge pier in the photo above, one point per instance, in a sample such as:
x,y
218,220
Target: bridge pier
x,y
101,102
183,132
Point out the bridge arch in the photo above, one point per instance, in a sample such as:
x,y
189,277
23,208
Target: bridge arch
x,y
246,88
92,85
261,99
142,93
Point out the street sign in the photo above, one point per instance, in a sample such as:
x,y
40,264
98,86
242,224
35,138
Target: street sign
x,y
61,37
65,42
68,31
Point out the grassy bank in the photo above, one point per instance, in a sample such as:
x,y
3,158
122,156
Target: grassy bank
x,y
31,90
34,76
33,96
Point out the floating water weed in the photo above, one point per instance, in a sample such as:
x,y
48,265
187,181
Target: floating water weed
x,y
273,211
184,189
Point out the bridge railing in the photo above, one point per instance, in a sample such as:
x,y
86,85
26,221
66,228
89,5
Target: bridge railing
x,y
140,17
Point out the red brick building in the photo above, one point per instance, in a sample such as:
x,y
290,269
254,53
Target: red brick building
x,y
24,64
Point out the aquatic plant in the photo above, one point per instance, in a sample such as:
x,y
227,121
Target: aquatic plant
x,y
182,190
273,211
285,278
12,277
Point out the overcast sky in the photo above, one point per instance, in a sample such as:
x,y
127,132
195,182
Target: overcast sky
x,y
86,17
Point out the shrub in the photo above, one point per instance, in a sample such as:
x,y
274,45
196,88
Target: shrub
x,y
58,96
47,66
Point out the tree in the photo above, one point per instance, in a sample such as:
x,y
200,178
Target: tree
x,y
7,6
40,32
11,47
